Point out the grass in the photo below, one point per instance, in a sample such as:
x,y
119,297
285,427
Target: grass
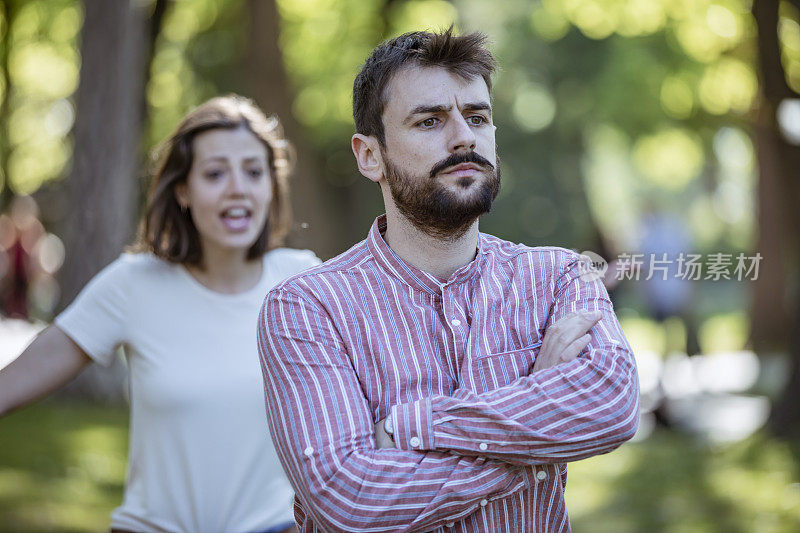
x,y
674,483
62,468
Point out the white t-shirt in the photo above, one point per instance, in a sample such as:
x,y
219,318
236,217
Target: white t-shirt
x,y
201,457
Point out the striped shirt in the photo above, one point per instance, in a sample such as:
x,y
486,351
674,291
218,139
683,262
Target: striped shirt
x,y
482,441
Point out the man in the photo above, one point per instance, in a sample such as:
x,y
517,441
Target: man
x,y
417,382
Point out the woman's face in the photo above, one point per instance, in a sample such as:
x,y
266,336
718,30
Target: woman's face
x,y
228,190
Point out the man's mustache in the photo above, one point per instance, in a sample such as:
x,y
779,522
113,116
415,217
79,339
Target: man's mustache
x,y
458,158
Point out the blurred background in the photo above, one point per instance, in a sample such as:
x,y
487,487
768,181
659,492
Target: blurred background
x,y
629,128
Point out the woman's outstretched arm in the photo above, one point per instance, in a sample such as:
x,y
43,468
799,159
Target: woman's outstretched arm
x,y
51,360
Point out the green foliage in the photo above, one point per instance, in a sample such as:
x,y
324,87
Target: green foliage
x,y
195,58
43,62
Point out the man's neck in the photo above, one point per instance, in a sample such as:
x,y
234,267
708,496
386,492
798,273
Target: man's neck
x,y
436,256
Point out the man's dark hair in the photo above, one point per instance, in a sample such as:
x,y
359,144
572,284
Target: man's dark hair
x,y
463,55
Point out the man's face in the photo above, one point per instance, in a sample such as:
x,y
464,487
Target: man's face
x,y
439,160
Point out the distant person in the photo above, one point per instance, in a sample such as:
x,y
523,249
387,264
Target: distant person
x,y
432,377
20,230
183,310
664,236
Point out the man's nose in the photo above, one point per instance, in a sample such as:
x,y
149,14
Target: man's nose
x,y
463,136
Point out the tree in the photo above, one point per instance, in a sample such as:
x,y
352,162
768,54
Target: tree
x,y
102,187
102,183
778,188
313,204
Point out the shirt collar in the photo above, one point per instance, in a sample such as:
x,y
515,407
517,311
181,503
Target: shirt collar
x,y
413,276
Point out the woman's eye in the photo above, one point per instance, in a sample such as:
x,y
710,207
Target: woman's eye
x,y
212,174
256,172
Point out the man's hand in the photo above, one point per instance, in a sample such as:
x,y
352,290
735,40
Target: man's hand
x,y
382,439
565,339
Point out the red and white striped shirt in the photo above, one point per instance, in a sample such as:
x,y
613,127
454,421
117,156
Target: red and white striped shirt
x,y
482,440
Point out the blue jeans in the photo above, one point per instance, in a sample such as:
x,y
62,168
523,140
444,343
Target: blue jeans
x,y
278,528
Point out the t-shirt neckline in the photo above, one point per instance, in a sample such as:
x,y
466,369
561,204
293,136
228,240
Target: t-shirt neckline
x,y
224,295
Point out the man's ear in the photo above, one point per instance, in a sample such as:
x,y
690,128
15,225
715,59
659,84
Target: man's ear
x,y
368,156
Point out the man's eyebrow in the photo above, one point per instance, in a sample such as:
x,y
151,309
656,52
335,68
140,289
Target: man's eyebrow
x,y
427,108
438,108
478,106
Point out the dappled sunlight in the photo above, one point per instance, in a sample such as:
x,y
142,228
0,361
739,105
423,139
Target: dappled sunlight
x,y
415,15
43,67
728,85
534,107
608,113
643,334
670,158
549,21
611,181
677,97
724,332
62,467
673,483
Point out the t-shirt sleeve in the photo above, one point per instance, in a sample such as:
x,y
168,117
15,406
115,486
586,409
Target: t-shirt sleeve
x,y
290,262
96,319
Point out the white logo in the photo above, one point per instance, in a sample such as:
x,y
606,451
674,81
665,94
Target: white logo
x,y
592,267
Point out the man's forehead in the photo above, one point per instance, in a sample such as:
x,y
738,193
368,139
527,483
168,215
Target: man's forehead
x,y
415,85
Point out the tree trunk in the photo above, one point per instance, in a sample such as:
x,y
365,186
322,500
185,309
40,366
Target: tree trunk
x,y
778,241
317,223
102,186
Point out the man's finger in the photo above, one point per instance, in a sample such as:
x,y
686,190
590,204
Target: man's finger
x,y
575,348
582,323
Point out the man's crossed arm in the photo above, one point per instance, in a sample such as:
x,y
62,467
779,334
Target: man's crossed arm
x,y
325,434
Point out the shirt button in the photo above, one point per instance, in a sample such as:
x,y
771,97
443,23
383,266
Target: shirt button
x,y
450,524
414,442
541,475
484,502
456,322
483,446
308,451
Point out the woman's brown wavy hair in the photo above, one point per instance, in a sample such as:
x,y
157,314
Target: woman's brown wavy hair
x,y
169,232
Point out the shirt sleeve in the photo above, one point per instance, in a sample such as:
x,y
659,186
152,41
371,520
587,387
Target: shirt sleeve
x,y
323,431
96,319
565,413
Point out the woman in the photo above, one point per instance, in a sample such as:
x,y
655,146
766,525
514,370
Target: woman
x,y
185,309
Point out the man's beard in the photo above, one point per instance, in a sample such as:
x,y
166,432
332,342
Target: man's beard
x,y
432,207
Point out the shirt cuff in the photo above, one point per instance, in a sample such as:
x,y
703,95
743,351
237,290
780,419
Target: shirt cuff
x,y
413,425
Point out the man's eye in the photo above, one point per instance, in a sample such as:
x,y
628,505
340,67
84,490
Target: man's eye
x,y
476,120
429,122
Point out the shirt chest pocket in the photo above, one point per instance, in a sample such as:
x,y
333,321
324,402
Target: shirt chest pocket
x,y
492,371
